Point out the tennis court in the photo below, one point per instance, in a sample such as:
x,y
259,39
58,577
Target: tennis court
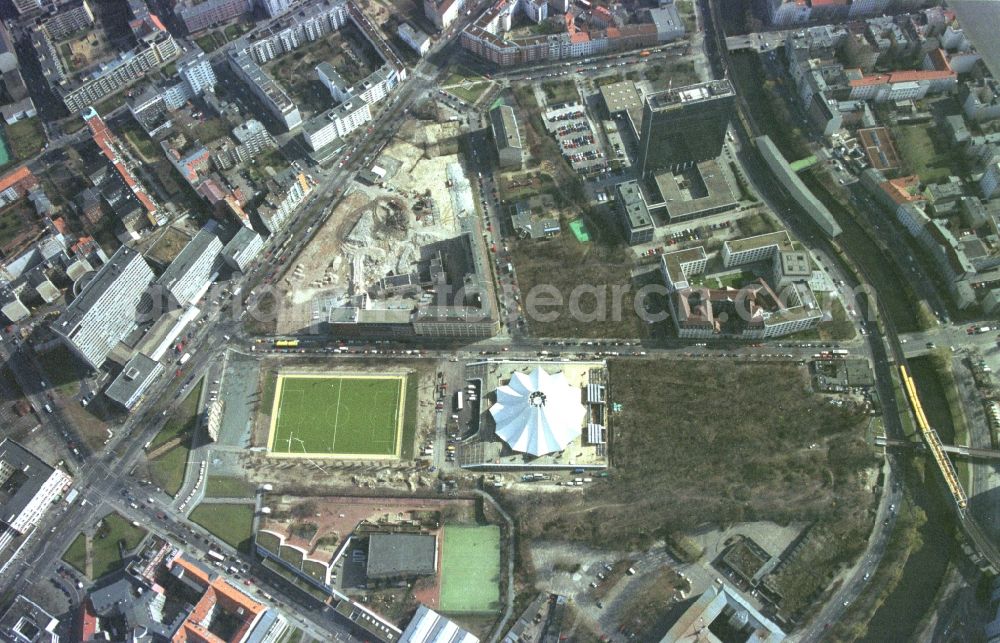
x,y
337,416
579,229
470,569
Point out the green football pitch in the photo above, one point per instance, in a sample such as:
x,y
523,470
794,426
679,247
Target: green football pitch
x,y
337,416
470,569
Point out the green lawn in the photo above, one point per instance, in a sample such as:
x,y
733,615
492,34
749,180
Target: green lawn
x,y
232,524
560,91
182,419
167,470
933,161
210,42
470,569
147,149
222,487
114,529
26,138
110,104
465,88
343,415
76,554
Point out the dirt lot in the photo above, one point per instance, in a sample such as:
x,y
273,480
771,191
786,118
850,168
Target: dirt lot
x,y
389,232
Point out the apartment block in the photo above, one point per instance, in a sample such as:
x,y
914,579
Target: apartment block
x,y
285,192
442,13
30,487
275,8
190,273
27,6
155,48
242,249
989,184
254,137
195,68
198,16
335,123
107,308
263,86
416,39
902,85
70,17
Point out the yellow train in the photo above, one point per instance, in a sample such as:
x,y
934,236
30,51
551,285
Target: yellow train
x,y
933,440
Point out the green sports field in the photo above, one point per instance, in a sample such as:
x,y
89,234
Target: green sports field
x,y
470,569
337,416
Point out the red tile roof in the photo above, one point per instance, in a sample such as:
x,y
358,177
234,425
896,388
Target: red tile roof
x,y
219,594
108,142
940,60
902,77
17,177
905,189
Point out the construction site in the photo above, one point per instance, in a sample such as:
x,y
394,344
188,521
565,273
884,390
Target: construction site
x,y
389,242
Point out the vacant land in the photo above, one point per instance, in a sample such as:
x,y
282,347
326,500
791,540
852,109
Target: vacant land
x,y
470,569
926,153
337,415
645,612
599,267
26,138
232,524
12,222
716,442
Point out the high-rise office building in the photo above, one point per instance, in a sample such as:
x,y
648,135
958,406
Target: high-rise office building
x,y
107,308
684,126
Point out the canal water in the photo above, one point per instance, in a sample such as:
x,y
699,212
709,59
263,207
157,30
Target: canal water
x,y
914,596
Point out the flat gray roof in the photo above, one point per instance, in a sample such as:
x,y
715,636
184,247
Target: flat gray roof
x,y
621,96
28,474
505,127
634,205
391,555
779,238
679,202
699,92
133,380
674,261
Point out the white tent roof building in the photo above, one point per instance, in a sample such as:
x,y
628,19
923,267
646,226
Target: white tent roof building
x,y
538,413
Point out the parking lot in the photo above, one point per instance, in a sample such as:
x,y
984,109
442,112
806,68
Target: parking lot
x,y
574,133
